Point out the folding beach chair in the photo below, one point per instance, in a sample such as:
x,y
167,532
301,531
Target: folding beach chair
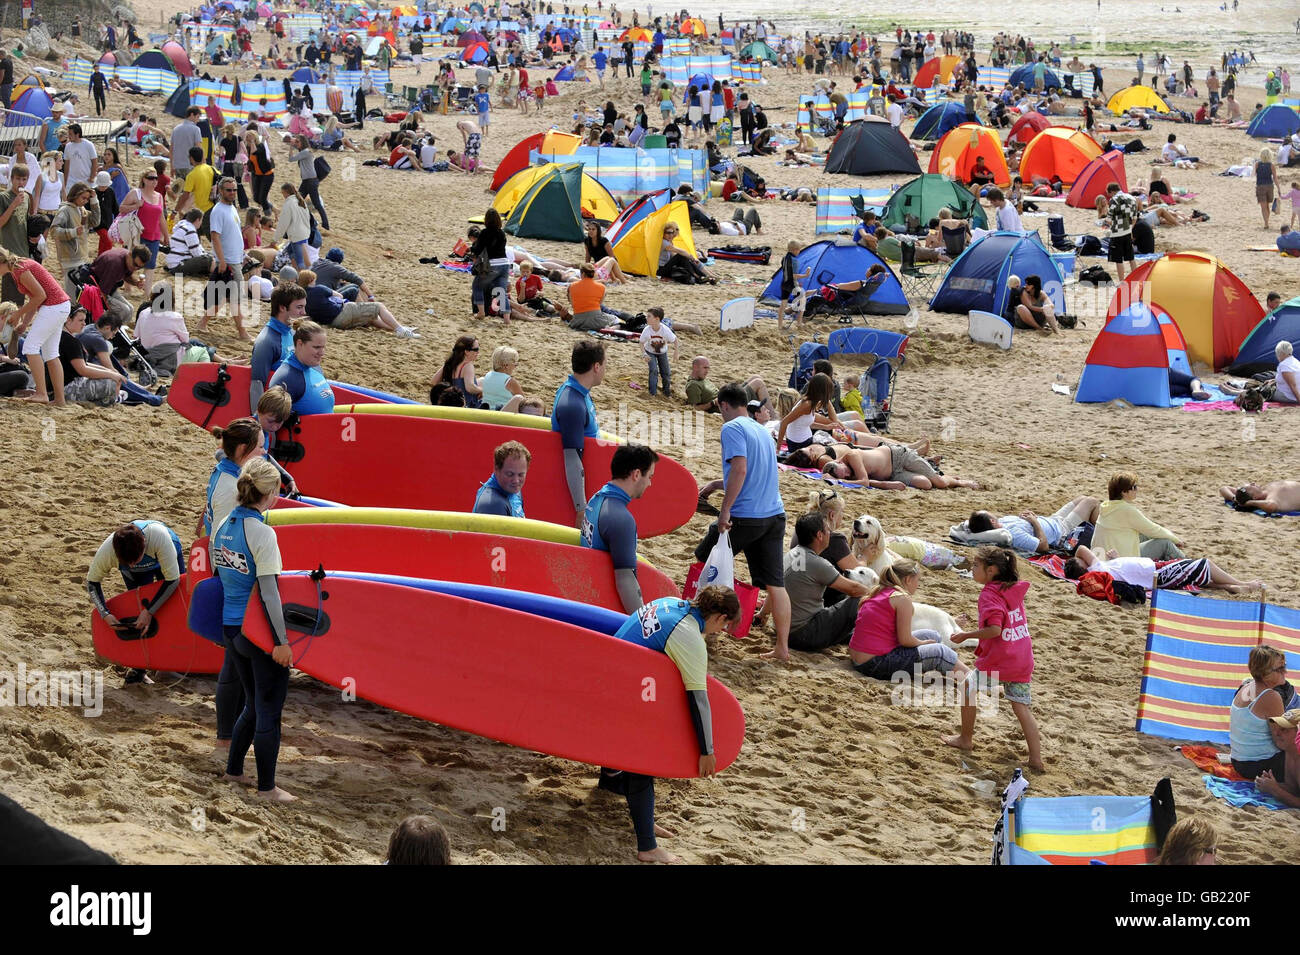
x,y
1081,830
919,281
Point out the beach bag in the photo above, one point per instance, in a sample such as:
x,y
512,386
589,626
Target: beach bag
x,y
719,569
126,230
322,168
1095,275
482,263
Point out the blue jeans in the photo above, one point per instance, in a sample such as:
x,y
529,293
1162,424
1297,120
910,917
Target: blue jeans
x,y
299,252
659,367
265,684
483,291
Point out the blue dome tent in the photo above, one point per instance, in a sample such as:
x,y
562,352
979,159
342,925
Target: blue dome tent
x,y
835,261
938,119
1256,352
978,278
1025,74
1274,122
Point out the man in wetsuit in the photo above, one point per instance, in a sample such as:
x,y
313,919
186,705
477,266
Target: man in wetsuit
x,y
573,415
608,525
274,342
502,493
144,551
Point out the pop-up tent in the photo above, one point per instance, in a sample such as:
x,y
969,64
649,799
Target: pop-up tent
x,y
638,233
957,151
550,143
1273,122
1136,97
1213,308
938,119
1095,177
1257,353
978,278
869,147
1026,74
1131,358
1027,127
180,60
759,50
1058,151
34,102
834,261
156,60
32,81
553,205
939,67
925,195
594,197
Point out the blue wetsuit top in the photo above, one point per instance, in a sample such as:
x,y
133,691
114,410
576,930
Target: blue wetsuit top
x,y
310,392
236,565
574,415
148,563
492,499
608,525
274,344
224,466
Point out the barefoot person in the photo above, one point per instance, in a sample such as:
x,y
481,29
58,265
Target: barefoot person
x,y
41,317
884,642
246,554
677,628
1276,497
1168,575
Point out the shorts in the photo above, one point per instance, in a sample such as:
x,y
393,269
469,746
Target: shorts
x,y
928,657
45,330
1264,193
484,120
1017,693
907,463
356,315
1121,248
645,89
761,540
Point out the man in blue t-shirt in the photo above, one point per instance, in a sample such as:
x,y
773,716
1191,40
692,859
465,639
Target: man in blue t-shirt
x,y
751,507
600,59
609,526
1037,535
574,416
502,493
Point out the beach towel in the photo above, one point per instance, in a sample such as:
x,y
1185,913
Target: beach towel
x,y
1240,793
815,475
1227,405
1262,513
1206,759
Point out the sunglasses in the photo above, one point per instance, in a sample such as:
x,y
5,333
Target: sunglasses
x,y
150,178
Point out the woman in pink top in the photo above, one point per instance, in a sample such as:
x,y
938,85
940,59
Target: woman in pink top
x,y
1005,651
147,203
883,640
41,317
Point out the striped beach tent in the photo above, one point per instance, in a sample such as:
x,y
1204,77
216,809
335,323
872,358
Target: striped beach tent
x,y
835,207
1196,659
822,108
1083,830
151,81
251,93
859,103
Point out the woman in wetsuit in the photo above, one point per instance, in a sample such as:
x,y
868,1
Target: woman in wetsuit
x,y
679,630
300,373
247,554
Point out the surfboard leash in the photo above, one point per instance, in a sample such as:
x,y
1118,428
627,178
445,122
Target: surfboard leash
x,y
316,576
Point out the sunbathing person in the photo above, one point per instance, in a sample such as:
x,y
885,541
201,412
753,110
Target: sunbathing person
x,y
1169,575
897,463
1276,497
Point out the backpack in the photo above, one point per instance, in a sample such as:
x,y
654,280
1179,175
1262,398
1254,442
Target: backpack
x,y
322,168
1089,245
1095,275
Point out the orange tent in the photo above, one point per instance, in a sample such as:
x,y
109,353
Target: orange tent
x,y
956,153
693,27
1027,127
940,66
637,35
1058,151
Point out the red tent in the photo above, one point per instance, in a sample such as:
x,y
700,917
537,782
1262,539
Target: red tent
x,y
1027,127
180,59
516,159
1095,177
471,36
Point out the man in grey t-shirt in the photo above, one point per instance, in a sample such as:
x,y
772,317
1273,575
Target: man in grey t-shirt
x,y
184,138
814,626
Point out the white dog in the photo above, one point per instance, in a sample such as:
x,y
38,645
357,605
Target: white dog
x,y
924,616
869,544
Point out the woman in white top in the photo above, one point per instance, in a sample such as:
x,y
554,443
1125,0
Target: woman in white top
x,y
50,185
1288,373
797,425
294,224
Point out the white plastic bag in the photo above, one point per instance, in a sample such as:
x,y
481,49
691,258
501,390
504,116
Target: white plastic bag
x,y
720,568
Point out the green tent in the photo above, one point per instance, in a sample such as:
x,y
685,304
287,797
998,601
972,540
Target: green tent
x,y
759,50
925,195
551,208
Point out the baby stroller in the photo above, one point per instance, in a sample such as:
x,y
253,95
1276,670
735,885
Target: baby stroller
x,y
126,351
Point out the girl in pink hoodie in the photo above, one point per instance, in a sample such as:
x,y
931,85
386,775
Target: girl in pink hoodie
x,y
1005,650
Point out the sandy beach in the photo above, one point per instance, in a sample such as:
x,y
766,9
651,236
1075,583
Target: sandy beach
x,y
831,772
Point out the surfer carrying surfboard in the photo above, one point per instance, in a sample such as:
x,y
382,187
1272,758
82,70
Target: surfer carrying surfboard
x,y
144,551
246,553
502,493
677,628
607,523
573,415
300,374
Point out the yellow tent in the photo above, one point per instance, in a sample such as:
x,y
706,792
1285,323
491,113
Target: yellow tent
x,y
1142,97
637,247
693,27
595,197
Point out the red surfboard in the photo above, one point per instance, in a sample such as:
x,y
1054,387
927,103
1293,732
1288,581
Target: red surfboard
x,y
522,564
437,464
503,674
168,644
212,395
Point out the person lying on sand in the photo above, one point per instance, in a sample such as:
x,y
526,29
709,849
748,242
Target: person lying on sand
x,y
893,463
1171,575
1276,497
1034,534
